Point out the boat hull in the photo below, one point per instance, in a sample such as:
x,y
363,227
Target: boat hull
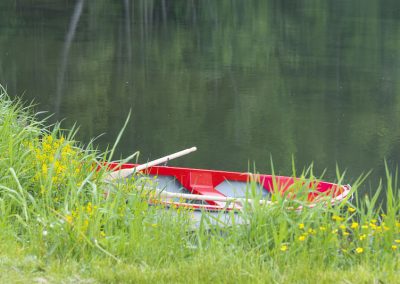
x,y
218,188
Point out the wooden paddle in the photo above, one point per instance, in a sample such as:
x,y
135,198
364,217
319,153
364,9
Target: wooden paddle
x,y
124,173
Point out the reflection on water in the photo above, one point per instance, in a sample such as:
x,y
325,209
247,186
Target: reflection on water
x,y
65,55
242,80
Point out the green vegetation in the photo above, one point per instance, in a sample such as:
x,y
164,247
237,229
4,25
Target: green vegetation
x,y
56,224
319,79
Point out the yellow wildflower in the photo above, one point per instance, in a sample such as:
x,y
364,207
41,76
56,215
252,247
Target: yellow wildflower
x,y
337,218
284,248
69,219
394,247
47,147
342,227
38,156
351,209
89,208
363,237
301,226
48,139
44,169
346,233
397,241
302,238
354,225
359,250
322,228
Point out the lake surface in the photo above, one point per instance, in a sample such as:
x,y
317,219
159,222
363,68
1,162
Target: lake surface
x,y
243,81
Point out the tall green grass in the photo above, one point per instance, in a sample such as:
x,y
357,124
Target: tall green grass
x,y
57,222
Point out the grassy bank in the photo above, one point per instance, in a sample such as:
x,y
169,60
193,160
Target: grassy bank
x,y
56,224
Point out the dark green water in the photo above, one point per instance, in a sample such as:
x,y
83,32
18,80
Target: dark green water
x,y
241,80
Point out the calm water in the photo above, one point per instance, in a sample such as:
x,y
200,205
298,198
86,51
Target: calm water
x,y
241,80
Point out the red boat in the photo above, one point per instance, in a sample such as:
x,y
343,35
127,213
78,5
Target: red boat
x,y
224,191
221,192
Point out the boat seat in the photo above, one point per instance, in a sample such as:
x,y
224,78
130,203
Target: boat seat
x,y
202,183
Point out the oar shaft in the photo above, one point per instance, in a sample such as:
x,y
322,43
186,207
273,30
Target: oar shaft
x,y
205,197
164,159
127,172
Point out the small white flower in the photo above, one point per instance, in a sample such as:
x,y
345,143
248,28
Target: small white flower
x,y
45,233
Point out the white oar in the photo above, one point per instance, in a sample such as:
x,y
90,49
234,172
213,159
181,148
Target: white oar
x,y
167,194
127,172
